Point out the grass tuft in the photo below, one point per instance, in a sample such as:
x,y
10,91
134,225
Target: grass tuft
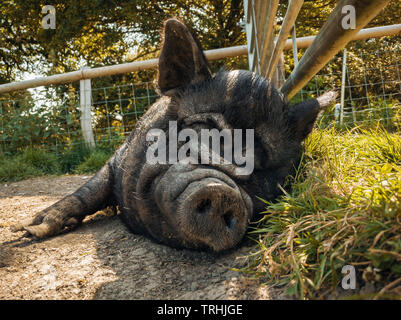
x,y
94,162
31,163
344,209
38,162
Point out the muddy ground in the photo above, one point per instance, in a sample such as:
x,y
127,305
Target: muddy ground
x,y
101,259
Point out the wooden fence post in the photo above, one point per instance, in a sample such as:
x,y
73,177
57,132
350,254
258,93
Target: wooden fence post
x,y
85,94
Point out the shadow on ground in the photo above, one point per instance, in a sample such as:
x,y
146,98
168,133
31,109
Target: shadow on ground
x,y
103,260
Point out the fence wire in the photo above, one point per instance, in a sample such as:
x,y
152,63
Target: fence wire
x,y
372,89
50,117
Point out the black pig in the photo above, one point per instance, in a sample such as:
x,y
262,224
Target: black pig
x,y
193,205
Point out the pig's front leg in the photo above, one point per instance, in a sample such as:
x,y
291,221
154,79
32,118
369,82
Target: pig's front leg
x,y
93,196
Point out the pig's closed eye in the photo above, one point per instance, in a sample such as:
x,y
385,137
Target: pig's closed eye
x,y
208,120
202,125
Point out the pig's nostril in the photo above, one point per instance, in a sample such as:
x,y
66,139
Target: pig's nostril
x,y
204,206
228,218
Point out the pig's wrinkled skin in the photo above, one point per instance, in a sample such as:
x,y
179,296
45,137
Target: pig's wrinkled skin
x,y
193,206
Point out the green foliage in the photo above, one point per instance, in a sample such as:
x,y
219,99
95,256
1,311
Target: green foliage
x,y
31,163
39,161
15,169
344,208
73,157
94,162
26,123
102,33
96,33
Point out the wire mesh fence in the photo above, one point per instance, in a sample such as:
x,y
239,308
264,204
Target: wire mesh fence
x,y
116,109
50,117
372,86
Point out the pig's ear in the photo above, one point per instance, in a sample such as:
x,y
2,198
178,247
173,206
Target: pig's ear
x,y
303,115
181,60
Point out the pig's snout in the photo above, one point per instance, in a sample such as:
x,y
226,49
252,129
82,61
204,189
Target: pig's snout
x,y
205,205
213,204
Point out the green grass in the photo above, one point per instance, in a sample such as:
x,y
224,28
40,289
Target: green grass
x,y
93,162
31,163
34,162
344,209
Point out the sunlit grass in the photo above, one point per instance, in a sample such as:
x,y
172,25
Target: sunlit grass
x,y
344,209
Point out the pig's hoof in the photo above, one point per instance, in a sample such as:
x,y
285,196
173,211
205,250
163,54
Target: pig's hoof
x,y
19,226
45,227
42,230
44,224
16,227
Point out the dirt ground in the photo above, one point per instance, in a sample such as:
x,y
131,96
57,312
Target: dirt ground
x,y
101,259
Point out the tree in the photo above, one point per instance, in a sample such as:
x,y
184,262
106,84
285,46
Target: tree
x,y
100,32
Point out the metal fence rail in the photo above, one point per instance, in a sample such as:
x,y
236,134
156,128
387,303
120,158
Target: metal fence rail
x,y
63,115
215,54
50,118
53,121
372,90
332,37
